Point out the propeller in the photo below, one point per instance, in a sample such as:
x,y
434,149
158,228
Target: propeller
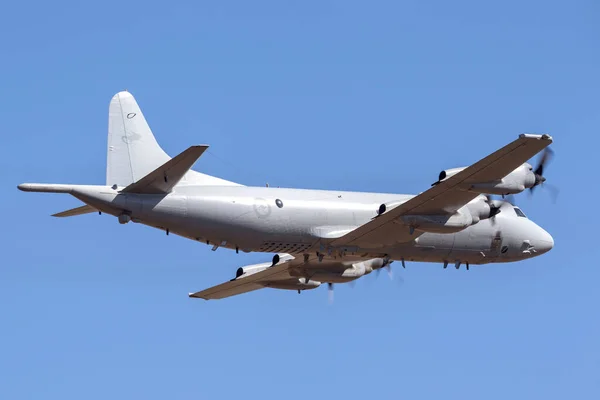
x,y
330,292
539,170
387,265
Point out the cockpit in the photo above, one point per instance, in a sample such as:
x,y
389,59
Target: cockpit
x,y
519,212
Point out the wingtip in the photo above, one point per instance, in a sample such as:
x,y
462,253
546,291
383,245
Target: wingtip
x,y
195,296
544,136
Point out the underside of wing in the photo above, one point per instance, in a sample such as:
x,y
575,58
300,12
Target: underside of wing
x,y
445,197
269,276
286,272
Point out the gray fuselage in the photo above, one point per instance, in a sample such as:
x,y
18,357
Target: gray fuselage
x,y
297,221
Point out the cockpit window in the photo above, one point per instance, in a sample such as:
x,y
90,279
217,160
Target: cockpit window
x,y
519,212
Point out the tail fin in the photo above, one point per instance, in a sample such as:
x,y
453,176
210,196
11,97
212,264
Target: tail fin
x,y
132,149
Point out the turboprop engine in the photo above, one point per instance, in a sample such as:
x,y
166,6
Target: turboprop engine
x,y
521,178
479,208
247,270
513,183
243,272
447,173
518,180
439,223
482,208
343,272
299,284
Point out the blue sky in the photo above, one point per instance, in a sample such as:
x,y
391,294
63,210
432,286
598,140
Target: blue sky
x,y
328,95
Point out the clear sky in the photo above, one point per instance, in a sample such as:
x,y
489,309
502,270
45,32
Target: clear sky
x,y
365,96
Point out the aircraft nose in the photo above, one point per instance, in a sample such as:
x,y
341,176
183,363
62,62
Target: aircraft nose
x,y
544,241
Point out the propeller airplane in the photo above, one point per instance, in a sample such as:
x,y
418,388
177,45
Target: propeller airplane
x,y
316,236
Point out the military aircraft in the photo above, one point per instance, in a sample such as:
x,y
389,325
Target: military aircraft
x,y
317,236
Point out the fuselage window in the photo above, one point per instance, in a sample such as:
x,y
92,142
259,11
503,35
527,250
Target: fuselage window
x,y
519,212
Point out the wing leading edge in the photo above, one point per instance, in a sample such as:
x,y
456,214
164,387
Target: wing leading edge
x,y
447,196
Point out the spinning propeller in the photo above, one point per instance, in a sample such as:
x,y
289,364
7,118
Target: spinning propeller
x,y
539,170
540,179
330,292
386,264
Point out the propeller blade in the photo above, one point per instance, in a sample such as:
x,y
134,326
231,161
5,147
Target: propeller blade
x,y
389,271
539,170
545,157
554,191
330,292
540,180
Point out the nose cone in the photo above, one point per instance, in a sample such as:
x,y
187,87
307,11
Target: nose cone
x,y
543,241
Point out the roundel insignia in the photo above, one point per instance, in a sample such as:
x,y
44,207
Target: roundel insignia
x,y
261,207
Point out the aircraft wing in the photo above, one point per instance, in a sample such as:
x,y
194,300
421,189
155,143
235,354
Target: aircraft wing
x,y
246,284
446,196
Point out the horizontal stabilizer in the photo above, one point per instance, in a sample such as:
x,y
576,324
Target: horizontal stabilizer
x,y
76,211
164,178
46,187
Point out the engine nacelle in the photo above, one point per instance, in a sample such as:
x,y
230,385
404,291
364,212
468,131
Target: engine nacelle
x,y
513,183
300,284
447,173
518,180
480,209
439,223
243,272
344,272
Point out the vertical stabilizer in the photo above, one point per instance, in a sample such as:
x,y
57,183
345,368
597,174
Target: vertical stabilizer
x,y
133,151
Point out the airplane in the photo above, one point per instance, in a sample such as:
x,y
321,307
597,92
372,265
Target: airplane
x,y
317,236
